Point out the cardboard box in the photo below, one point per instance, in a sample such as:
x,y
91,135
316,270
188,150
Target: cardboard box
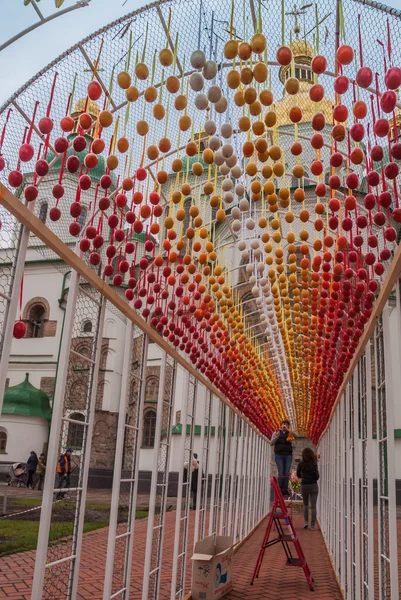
x,y
212,575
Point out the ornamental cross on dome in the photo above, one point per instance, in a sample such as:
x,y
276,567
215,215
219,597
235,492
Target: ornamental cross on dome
x,y
296,13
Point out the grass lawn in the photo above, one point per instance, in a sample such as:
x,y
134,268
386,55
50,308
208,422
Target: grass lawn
x,y
20,535
17,536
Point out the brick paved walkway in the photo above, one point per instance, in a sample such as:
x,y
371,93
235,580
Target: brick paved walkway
x,y
276,581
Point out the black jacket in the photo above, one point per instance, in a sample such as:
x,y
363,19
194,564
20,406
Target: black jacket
x,y
31,463
308,472
282,445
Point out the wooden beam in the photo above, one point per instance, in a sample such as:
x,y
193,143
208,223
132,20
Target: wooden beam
x,y
52,241
391,278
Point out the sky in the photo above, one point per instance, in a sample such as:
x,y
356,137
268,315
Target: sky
x,y
20,61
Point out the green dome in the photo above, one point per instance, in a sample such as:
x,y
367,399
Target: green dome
x,y
26,400
95,174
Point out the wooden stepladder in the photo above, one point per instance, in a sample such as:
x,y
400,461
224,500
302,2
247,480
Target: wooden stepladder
x,y
280,517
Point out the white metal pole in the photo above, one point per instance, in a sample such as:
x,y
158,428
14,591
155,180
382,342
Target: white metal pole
x,y
153,485
134,484
118,461
225,470
54,439
181,451
201,468
370,465
12,309
241,424
356,494
391,398
233,476
75,564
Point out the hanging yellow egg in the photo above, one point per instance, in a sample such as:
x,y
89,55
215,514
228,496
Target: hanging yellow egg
x,y
142,128
141,71
124,80
132,93
166,57
122,145
172,84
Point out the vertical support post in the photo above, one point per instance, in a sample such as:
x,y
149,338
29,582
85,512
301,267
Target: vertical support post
x,y
52,453
241,425
370,463
390,398
356,494
199,491
233,483
118,461
160,473
12,308
205,464
77,539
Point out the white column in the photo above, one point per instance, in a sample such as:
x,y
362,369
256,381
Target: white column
x,y
12,308
77,546
370,461
118,461
54,439
391,397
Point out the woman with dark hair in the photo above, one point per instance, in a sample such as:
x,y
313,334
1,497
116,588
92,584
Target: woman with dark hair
x,y
282,441
308,472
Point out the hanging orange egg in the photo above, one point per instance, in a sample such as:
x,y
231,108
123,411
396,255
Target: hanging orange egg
x,y
185,122
164,145
122,145
191,149
177,165
231,49
186,189
166,57
248,149
208,156
258,128
172,84
258,43
197,169
239,98
295,114
141,71
244,123
142,128
270,118
246,75
244,51
124,80
132,93
233,79
162,177
284,56
112,162
180,102
159,112
299,195
152,152
275,152
260,72
292,86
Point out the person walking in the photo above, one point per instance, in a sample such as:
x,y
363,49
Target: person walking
x,y
40,471
194,479
308,472
31,468
64,471
282,441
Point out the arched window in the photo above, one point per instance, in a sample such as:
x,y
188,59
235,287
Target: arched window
x,y
82,217
3,441
43,212
87,327
149,429
115,263
36,321
75,437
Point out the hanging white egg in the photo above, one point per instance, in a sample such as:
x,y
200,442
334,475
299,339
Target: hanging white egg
x,y
210,127
263,281
243,205
255,291
236,172
227,150
228,197
260,267
214,93
252,280
241,244
224,170
198,59
250,224
231,161
240,189
218,158
226,130
236,225
214,143
196,82
221,105
249,269
210,70
201,102
235,212
254,244
226,184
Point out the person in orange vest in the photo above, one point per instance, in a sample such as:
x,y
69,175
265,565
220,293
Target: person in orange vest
x,y
64,471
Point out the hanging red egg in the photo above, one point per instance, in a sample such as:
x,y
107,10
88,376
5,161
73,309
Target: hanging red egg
x,y
119,235
388,101
341,84
396,151
391,170
26,152
338,133
392,78
73,164
84,245
369,201
42,167
377,153
104,203
381,127
75,209
357,132
154,198
340,113
345,54
61,145
85,182
316,92
296,149
74,228
284,56
317,141
318,121
45,125
94,259
295,114
390,234
319,64
320,190
364,77
79,143
31,193
19,330
67,124
350,203
2,163
85,121
141,174
336,160
373,178
94,90
356,156
91,160
385,199
105,182
317,167
55,213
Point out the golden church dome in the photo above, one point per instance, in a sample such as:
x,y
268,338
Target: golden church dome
x,y
303,53
92,107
